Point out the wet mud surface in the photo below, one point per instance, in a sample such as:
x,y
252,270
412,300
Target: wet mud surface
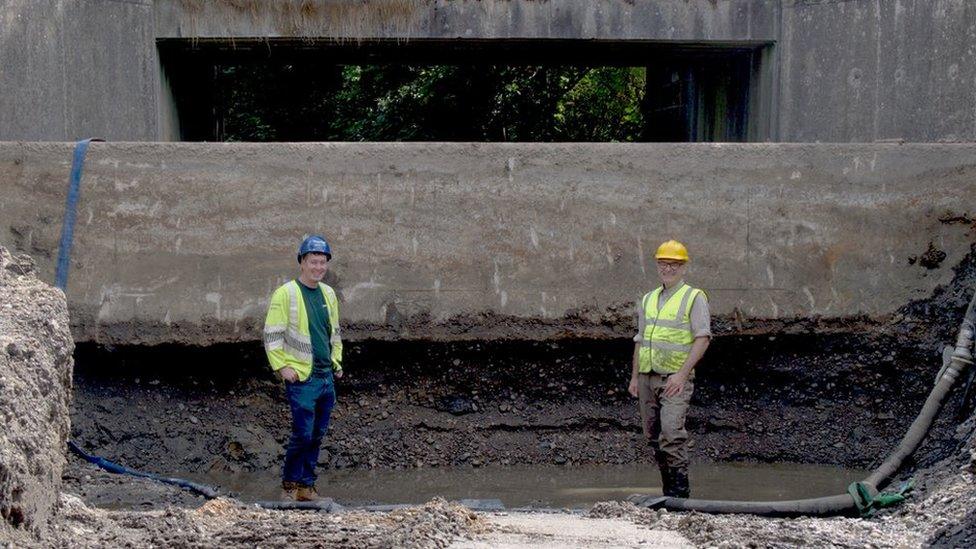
x,y
512,486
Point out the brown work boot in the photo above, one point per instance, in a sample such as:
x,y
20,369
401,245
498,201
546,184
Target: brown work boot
x,y
307,493
289,491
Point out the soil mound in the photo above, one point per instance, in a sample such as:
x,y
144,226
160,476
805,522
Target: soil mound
x,y
227,523
435,524
35,391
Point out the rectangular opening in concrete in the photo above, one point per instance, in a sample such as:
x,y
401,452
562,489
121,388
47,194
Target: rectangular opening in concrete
x,y
523,91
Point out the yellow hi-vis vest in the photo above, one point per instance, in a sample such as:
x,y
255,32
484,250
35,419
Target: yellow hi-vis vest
x,y
667,332
287,339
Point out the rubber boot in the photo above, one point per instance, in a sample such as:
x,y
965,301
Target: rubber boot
x,y
667,481
679,483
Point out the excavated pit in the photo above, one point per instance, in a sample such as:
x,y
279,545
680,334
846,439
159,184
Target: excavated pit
x,y
837,393
840,399
831,397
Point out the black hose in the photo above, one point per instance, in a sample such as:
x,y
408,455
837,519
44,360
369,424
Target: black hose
x,y
830,505
918,429
323,505
112,467
960,359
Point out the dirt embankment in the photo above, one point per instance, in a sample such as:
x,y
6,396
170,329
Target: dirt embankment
x,y
35,390
227,523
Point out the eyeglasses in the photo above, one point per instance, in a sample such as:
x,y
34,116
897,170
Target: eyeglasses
x,y
669,266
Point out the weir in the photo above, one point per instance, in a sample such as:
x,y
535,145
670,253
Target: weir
x,y
184,243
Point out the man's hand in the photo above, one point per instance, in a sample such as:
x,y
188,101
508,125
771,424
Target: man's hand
x,y
632,389
675,384
288,374
338,374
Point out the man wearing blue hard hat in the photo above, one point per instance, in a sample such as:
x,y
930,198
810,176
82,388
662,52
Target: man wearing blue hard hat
x,y
301,338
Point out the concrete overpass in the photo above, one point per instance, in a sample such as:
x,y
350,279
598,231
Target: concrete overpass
x,y
853,71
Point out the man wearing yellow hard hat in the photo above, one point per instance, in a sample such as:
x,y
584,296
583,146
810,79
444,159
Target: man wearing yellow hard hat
x,y
674,329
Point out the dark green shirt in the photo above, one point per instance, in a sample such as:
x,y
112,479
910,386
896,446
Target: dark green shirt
x,y
318,325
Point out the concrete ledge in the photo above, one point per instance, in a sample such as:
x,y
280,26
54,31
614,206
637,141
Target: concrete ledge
x,y
470,19
184,242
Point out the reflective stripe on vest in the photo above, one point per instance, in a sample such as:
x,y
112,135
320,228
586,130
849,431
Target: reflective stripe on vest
x,y
274,338
667,332
296,344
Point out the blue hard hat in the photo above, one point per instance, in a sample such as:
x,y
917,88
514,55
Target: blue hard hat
x,y
314,244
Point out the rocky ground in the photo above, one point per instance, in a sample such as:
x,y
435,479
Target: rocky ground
x,y
227,523
395,413
938,515
757,399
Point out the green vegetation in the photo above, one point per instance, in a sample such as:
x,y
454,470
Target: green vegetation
x,y
316,102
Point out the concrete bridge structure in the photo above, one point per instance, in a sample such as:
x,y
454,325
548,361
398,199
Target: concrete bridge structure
x,y
798,70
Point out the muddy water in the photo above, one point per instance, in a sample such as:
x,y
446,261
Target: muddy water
x,y
549,486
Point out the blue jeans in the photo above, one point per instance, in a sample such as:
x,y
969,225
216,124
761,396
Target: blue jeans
x,y
311,404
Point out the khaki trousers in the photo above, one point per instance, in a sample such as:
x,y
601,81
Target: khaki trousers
x,y
663,419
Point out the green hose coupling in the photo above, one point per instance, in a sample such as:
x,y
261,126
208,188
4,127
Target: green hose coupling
x,y
868,500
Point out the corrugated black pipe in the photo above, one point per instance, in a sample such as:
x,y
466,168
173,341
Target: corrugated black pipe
x,y
960,359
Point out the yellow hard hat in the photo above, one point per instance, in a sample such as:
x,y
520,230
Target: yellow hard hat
x,y
672,249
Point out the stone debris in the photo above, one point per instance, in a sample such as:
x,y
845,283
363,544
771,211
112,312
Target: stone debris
x,y
435,524
228,523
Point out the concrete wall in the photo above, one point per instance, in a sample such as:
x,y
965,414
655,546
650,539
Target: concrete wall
x,y
868,70
851,71
181,242
71,69
681,20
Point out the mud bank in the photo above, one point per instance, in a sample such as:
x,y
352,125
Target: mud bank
x,y
433,405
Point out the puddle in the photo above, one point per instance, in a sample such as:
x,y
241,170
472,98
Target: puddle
x,y
548,486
